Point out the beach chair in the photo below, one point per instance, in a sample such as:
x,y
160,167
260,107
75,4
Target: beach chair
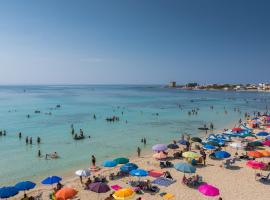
x,y
265,179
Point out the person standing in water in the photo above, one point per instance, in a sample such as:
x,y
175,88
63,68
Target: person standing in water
x,y
139,151
20,135
26,140
39,153
93,160
144,141
38,140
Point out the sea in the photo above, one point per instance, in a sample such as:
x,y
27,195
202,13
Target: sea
x,y
153,112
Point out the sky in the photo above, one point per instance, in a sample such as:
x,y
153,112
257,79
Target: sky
x,y
134,42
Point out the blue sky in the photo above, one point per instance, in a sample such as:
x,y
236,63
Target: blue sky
x,y
134,42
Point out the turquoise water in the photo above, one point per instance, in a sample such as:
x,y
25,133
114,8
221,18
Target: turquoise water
x,y
78,104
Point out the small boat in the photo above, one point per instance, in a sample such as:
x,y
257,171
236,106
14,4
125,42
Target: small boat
x,y
79,138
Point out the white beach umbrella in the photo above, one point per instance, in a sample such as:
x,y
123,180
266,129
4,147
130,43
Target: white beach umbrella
x,y
83,172
235,145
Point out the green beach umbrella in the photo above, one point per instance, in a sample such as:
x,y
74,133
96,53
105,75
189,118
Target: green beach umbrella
x,y
196,139
255,144
247,135
121,160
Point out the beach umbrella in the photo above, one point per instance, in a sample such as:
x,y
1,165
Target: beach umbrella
x,y
121,160
185,167
196,139
83,172
265,153
247,135
190,154
139,172
235,145
160,156
237,129
99,187
263,133
65,193
255,144
109,163
255,164
173,146
183,142
213,143
222,154
128,167
123,194
159,147
6,192
250,138
266,143
25,185
254,154
209,147
208,190
51,180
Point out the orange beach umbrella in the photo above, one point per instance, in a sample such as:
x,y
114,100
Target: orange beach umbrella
x,y
254,154
265,153
65,193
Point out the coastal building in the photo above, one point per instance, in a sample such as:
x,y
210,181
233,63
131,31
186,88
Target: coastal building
x,y
172,84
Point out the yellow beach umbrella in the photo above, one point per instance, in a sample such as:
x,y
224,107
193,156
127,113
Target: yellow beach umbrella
x,y
123,194
190,154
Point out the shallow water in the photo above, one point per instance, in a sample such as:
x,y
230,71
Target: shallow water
x,y
108,140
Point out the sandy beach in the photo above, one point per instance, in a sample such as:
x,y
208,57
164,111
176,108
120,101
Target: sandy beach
x,y
237,182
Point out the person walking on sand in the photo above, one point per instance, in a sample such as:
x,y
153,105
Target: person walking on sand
x,y
203,154
139,151
93,160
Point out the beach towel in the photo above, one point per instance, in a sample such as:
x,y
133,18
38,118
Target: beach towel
x,y
168,196
116,187
163,181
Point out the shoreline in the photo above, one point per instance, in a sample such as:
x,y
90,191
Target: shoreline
x,y
69,177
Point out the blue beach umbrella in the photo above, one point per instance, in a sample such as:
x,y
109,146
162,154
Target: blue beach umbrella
x,y
109,163
51,180
128,167
183,142
6,192
185,167
25,185
222,154
159,147
139,172
263,133
209,147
